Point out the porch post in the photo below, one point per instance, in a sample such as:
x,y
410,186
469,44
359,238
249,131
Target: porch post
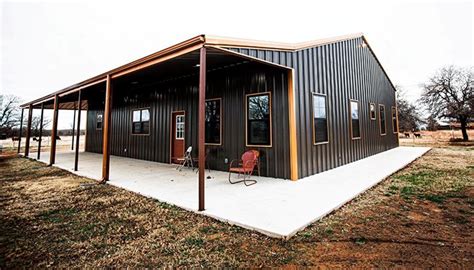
x,y
28,130
201,126
106,132
20,131
40,132
78,136
54,131
73,125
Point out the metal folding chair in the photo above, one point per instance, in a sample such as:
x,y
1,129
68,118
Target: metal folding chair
x,y
187,160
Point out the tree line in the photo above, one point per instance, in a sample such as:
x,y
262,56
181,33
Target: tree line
x,y
447,95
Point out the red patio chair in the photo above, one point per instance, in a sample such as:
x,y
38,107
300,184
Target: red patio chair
x,y
245,167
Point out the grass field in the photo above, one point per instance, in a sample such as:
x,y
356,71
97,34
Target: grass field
x,y
422,216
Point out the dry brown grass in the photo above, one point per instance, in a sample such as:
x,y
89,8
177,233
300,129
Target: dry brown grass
x,y
421,216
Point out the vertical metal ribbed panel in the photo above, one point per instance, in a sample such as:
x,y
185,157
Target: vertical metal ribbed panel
x,y
342,71
230,84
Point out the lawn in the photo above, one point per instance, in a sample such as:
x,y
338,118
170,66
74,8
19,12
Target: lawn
x,y
422,216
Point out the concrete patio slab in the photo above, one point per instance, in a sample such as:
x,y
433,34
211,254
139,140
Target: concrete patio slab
x,y
275,207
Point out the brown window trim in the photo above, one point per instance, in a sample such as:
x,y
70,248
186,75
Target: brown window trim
x,y
380,120
396,119
246,119
375,111
102,125
312,117
350,118
220,122
149,120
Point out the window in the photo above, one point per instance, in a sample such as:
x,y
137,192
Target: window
x,y
141,122
394,120
99,120
213,121
355,124
382,119
320,121
259,120
180,127
372,111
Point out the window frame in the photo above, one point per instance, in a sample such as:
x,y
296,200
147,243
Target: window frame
x,y
96,122
380,120
312,117
394,127
149,121
350,118
220,121
375,111
247,122
176,127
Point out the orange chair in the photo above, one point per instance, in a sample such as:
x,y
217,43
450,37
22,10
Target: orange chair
x,y
245,166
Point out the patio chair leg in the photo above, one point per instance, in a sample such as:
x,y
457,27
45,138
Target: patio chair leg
x,y
245,180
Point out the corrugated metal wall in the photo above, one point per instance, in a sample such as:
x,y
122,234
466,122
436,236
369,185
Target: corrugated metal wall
x,y
343,71
230,84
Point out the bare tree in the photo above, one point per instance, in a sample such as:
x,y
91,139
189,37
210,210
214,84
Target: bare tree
x,y
9,113
450,94
35,124
409,116
431,123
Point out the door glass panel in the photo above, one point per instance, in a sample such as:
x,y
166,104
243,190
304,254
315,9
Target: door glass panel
x,y
180,127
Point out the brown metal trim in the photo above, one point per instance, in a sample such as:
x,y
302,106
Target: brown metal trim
x,y
82,87
246,119
157,61
292,127
28,131
268,45
350,118
196,41
380,120
202,126
220,122
312,118
54,131
149,120
106,131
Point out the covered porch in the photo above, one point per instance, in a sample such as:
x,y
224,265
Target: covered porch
x,y
188,66
274,207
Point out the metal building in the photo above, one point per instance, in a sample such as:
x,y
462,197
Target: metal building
x,y
305,107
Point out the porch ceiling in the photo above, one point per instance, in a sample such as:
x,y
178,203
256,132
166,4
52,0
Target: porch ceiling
x,y
185,65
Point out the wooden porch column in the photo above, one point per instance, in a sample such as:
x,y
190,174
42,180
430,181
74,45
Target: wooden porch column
x,y
106,132
28,130
201,126
54,131
78,136
40,132
73,125
20,131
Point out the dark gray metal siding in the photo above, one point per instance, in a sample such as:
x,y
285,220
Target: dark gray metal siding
x,y
343,71
230,84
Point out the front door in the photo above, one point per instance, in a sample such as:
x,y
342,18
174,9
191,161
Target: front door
x,y
177,138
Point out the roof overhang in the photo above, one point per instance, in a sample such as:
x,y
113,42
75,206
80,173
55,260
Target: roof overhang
x,y
192,44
